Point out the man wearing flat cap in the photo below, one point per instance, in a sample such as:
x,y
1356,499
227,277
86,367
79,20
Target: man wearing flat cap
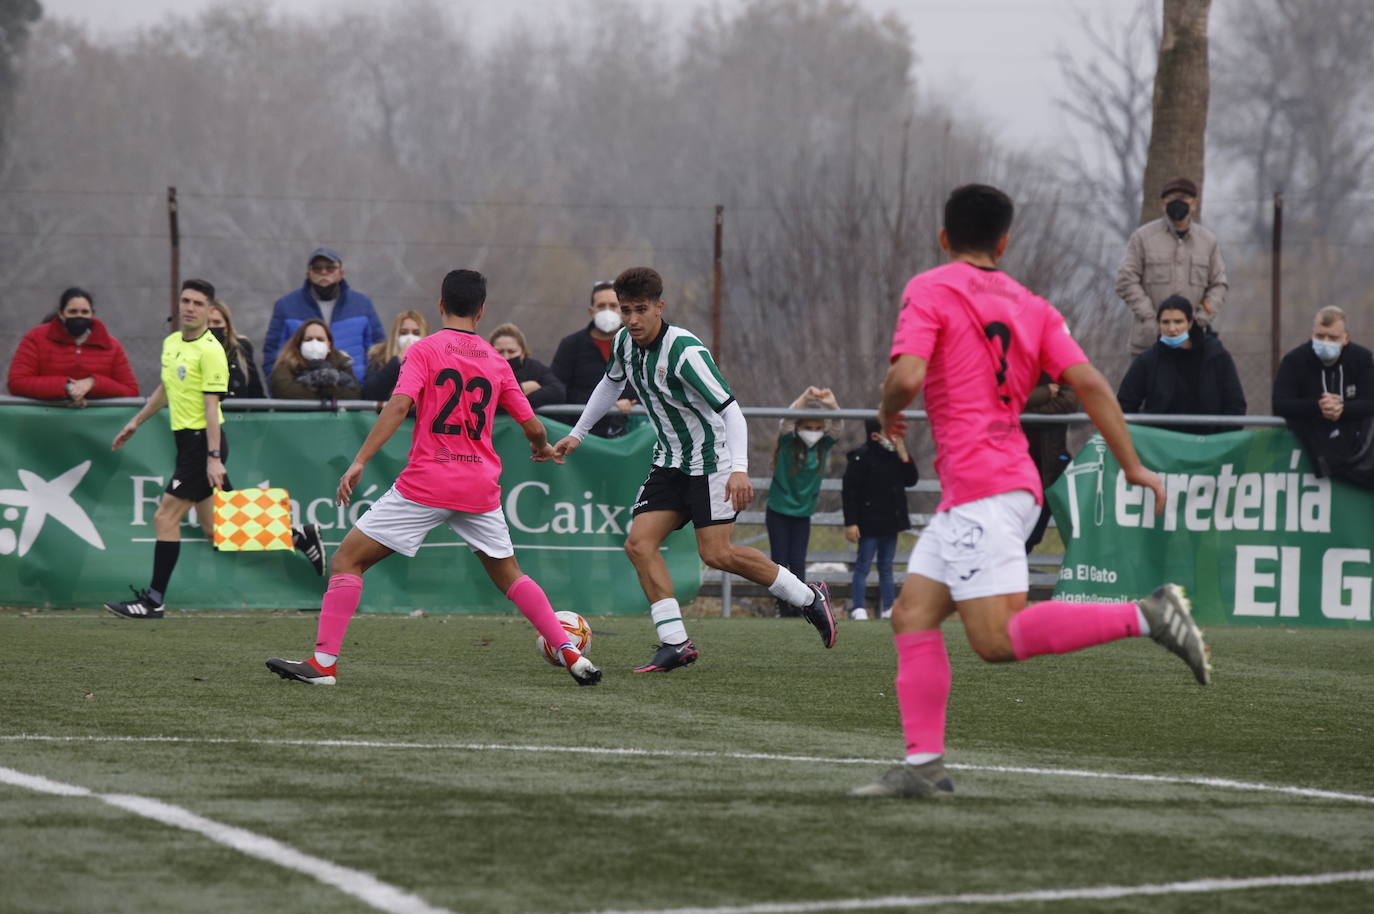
x,y
326,296
1172,255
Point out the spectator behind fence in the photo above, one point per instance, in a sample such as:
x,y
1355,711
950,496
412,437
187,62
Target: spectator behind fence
x,y
384,359
1172,255
310,368
541,386
1325,389
580,361
874,495
799,459
71,357
353,322
1187,371
244,378
1049,444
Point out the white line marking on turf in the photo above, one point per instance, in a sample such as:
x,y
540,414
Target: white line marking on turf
x,y
1093,893
1225,783
363,886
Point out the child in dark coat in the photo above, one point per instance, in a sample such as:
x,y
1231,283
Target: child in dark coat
x,y
874,494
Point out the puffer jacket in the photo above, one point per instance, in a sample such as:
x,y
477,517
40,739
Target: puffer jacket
x,y
352,320
48,357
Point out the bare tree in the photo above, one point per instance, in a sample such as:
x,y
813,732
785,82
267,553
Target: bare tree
x,y
1182,87
1108,77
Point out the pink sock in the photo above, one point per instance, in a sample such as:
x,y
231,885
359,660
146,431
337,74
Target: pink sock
x,y
340,603
923,679
529,598
1057,627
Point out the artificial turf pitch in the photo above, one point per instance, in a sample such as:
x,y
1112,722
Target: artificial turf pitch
x,y
473,828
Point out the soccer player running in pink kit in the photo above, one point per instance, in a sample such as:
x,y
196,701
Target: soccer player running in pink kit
x,y
455,380
978,341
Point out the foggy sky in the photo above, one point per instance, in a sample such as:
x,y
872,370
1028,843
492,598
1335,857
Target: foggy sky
x,y
993,56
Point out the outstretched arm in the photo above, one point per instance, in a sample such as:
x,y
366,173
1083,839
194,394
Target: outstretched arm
x,y
598,404
390,419
538,437
1100,404
156,400
903,382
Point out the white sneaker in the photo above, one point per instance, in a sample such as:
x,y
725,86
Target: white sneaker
x,y
858,614
887,613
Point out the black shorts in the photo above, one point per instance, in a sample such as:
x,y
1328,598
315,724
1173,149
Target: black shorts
x,y
188,479
699,499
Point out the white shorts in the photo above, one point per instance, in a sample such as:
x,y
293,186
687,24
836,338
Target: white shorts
x,y
978,549
401,525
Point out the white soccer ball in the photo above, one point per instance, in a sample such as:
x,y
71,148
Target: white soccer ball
x,y
579,633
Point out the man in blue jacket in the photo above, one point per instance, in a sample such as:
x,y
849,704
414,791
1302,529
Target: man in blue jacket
x,y
351,319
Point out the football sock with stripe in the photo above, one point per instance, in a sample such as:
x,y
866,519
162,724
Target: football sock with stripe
x,y
165,555
787,586
923,681
531,600
667,617
336,610
1056,627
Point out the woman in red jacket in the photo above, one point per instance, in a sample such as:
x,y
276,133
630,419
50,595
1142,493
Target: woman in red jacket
x,y
71,357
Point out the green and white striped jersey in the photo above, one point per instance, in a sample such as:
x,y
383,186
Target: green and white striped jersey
x,y
681,388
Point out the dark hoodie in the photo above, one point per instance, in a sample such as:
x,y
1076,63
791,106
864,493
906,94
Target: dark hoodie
x,y
1199,381
1299,384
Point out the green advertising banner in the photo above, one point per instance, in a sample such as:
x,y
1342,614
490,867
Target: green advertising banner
x,y
1247,529
76,520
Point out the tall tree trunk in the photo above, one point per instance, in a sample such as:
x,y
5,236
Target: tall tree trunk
x,y
1177,139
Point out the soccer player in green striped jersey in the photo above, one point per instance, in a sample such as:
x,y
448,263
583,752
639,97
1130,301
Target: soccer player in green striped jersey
x,y
700,465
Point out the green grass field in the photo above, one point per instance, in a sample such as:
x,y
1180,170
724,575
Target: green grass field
x,y
472,774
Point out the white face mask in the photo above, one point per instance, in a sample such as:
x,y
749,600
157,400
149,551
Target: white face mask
x,y
809,437
886,444
606,320
313,350
405,340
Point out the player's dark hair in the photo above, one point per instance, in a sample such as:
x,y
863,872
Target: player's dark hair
x,y
976,218
464,292
872,427
639,284
1175,303
201,286
601,285
74,292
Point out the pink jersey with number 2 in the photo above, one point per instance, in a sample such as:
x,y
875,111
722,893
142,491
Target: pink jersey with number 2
x,y
985,339
456,380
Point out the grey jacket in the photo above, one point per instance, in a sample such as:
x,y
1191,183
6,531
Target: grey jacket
x,y
1158,264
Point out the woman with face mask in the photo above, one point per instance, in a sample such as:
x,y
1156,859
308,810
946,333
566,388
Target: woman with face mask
x,y
310,368
245,381
1186,372
384,359
537,380
799,460
71,357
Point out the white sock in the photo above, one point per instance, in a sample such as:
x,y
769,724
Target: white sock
x,y
789,587
324,659
668,621
1144,625
920,758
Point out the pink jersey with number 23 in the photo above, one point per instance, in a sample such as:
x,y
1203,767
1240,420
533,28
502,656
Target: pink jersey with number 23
x,y
456,380
985,339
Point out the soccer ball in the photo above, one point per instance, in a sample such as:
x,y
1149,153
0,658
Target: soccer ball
x,y
579,633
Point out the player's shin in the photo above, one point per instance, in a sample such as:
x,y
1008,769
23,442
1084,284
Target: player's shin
x,y
340,603
1056,627
533,603
923,682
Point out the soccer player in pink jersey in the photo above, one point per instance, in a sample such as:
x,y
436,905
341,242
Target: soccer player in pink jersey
x,y
455,380
977,341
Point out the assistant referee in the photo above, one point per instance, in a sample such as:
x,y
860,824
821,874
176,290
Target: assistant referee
x,y
195,377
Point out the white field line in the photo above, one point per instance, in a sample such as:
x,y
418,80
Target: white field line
x,y
1223,783
363,886
1092,893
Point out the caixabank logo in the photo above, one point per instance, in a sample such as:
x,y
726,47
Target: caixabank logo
x,y
38,505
